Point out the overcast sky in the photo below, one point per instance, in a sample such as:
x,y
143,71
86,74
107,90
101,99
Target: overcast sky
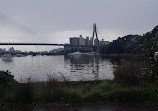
x,y
57,20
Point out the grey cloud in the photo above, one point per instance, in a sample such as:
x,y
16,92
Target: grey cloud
x,y
49,17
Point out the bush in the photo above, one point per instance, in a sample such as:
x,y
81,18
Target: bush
x,y
5,77
24,93
129,72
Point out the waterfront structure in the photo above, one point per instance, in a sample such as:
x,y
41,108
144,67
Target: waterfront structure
x,y
74,41
56,50
81,40
86,41
102,42
77,44
91,41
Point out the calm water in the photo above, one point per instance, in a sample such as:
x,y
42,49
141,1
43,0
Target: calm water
x,y
38,68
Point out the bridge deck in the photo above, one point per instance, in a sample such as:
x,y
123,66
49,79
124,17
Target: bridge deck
x,y
44,44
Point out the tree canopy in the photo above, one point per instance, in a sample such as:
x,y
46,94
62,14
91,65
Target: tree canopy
x,y
133,44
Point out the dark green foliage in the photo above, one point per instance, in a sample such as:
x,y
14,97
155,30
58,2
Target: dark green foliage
x,y
151,70
98,92
133,44
122,45
5,77
52,88
136,94
146,46
135,72
24,93
94,97
58,92
129,73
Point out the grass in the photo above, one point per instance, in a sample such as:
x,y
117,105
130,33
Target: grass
x,y
88,92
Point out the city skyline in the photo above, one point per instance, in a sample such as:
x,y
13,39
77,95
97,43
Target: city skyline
x,y
57,20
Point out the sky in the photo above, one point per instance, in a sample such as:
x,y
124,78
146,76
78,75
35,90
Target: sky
x,y
56,20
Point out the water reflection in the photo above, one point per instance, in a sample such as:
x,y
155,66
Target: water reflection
x,y
73,69
88,63
82,61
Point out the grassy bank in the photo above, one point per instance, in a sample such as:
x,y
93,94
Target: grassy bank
x,y
92,92
135,81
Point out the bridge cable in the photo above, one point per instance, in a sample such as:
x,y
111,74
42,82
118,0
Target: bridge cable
x,y
103,35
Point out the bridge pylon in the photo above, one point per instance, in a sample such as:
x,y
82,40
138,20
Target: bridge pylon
x,y
95,41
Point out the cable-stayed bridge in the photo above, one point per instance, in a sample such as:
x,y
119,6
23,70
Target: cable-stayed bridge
x,y
46,44
9,33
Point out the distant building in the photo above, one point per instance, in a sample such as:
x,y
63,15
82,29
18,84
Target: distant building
x,y
91,41
86,41
102,43
56,50
81,40
74,41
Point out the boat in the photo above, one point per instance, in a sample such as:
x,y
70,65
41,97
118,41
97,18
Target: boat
x,y
75,53
20,55
93,53
81,54
7,58
90,53
38,55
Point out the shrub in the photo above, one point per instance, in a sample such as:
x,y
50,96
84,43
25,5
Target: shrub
x,y
5,77
129,72
53,87
24,93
